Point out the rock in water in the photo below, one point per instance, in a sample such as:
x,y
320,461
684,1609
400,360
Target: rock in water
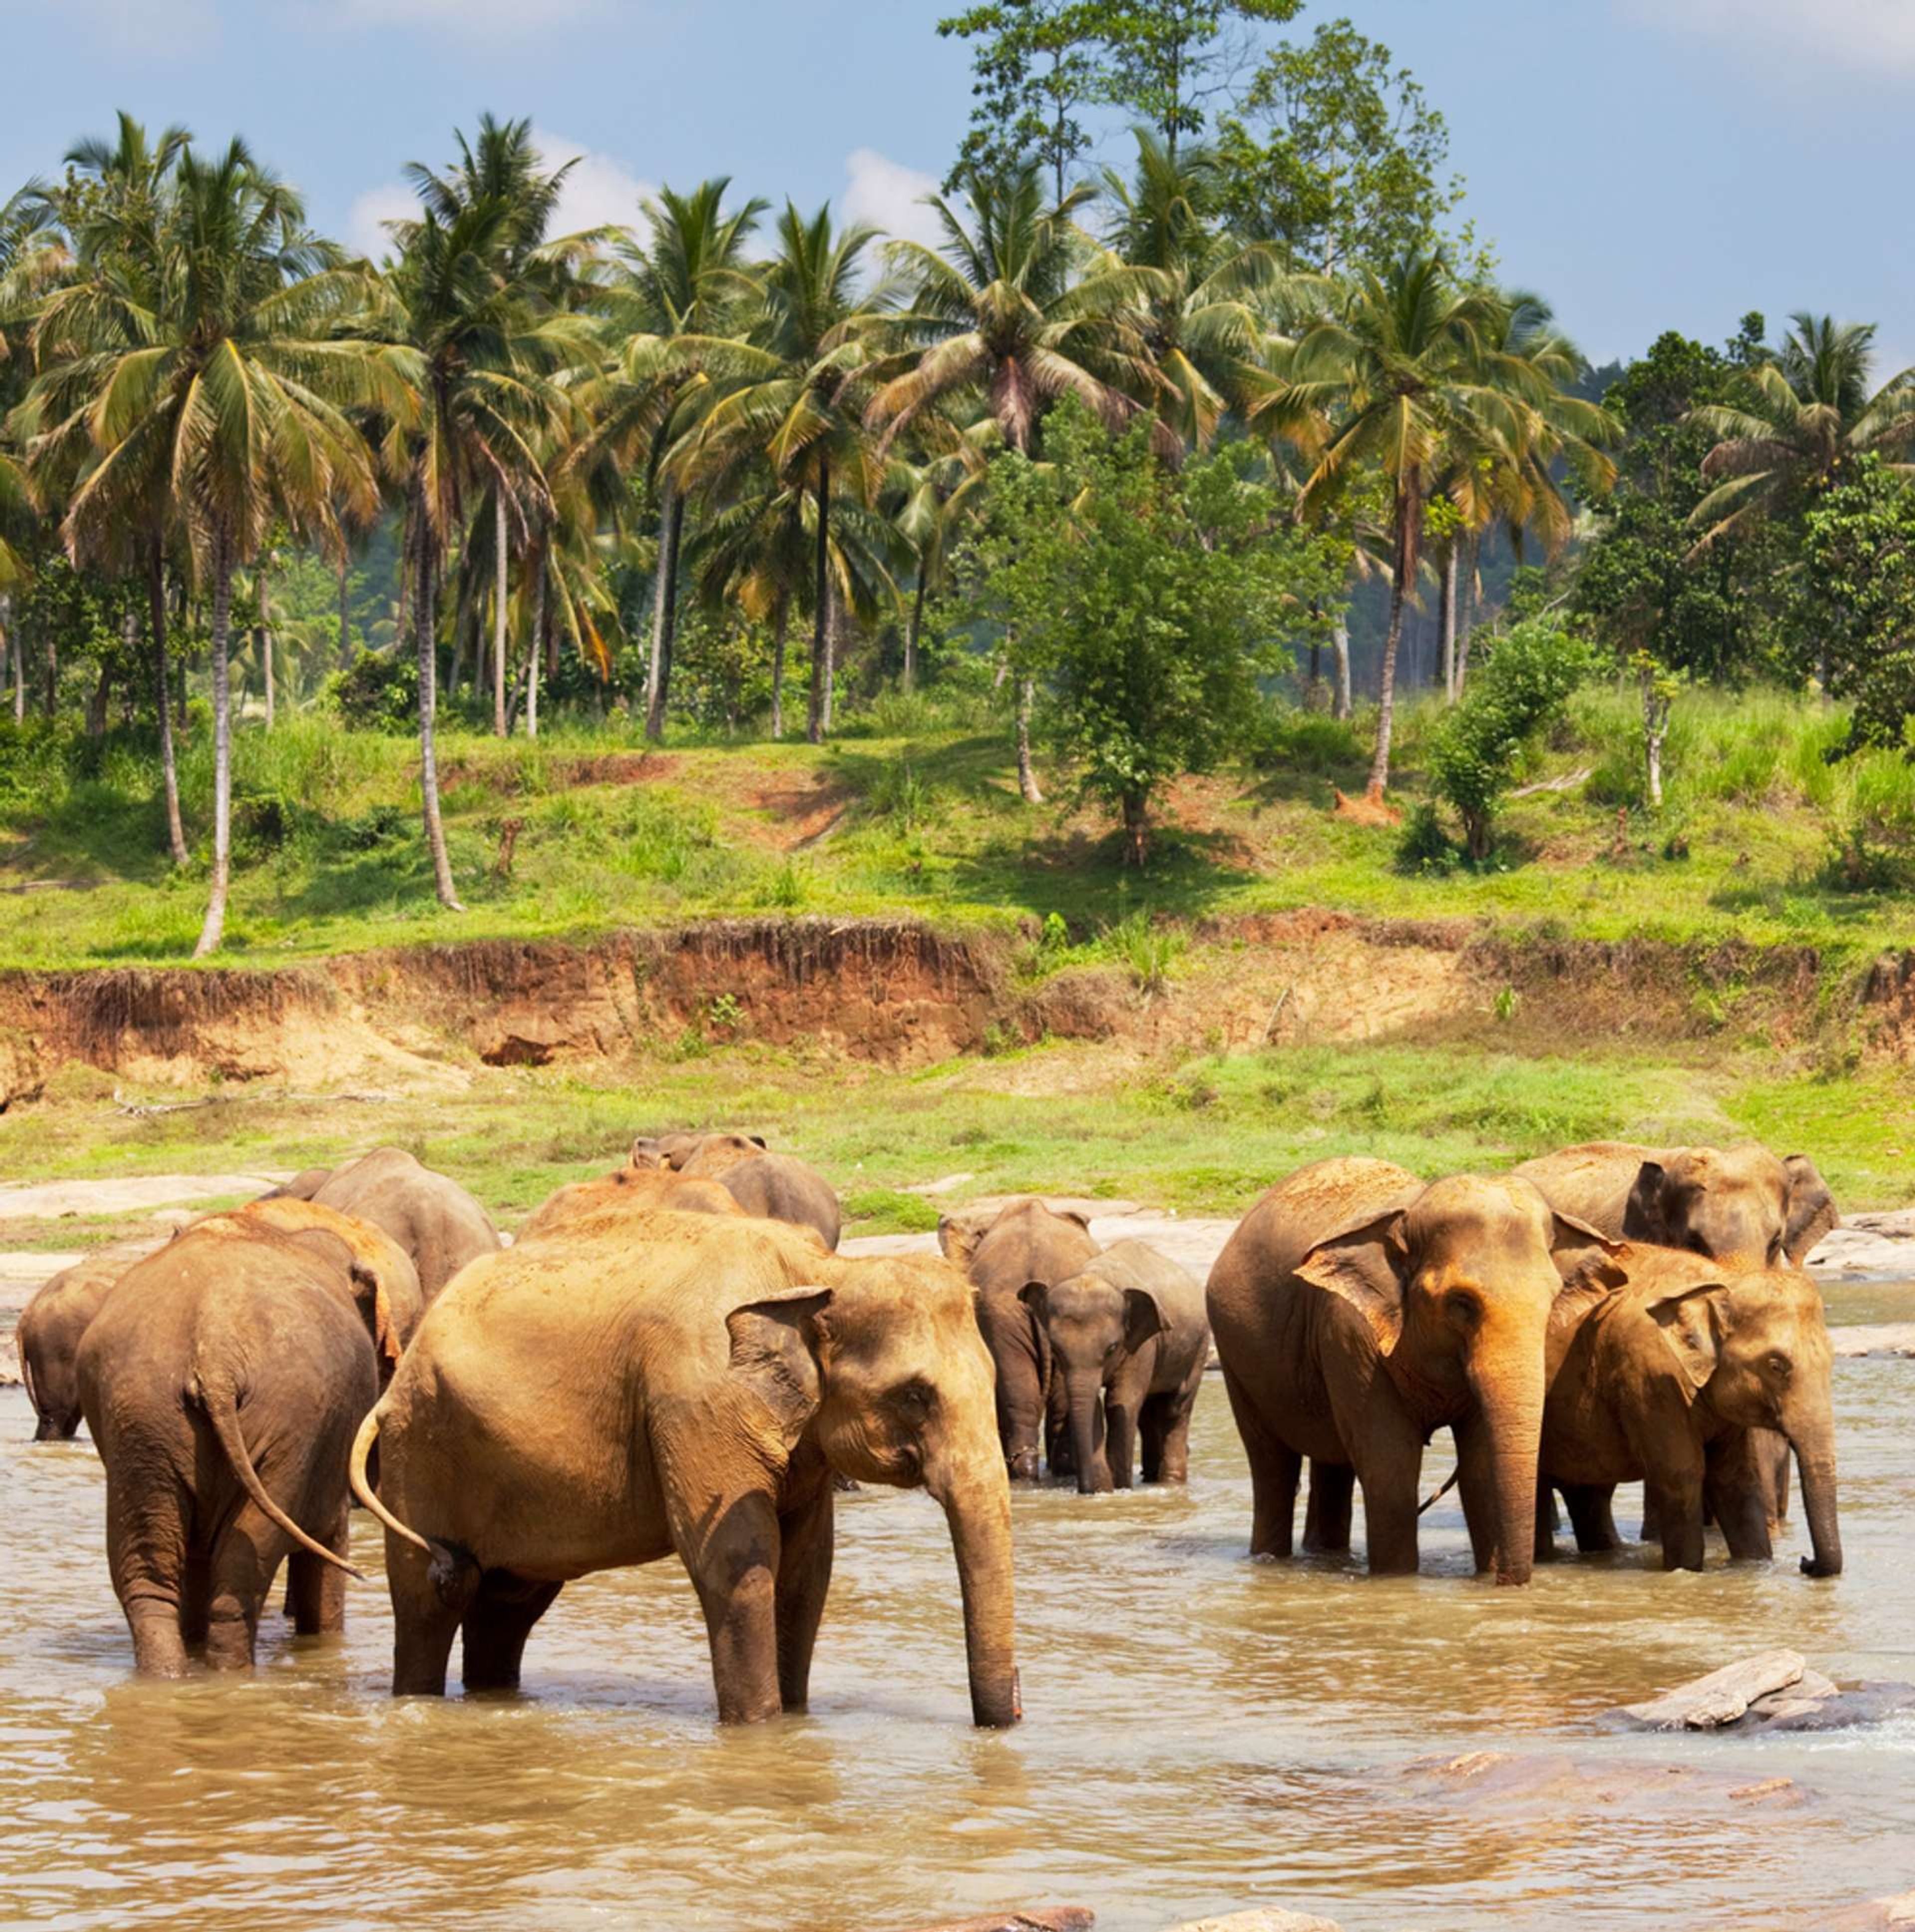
x,y
1722,1696
1044,1919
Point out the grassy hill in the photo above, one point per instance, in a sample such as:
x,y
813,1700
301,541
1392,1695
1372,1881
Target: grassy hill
x,y
914,810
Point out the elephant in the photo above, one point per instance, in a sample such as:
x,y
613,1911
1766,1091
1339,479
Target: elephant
x,y
52,1324
1129,1339
775,1187
434,1218
1666,1377
1356,1311
1741,1206
614,1394
609,1202
1024,1241
222,1381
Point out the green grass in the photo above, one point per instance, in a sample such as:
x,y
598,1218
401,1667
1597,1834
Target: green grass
x,y
915,811
1201,1133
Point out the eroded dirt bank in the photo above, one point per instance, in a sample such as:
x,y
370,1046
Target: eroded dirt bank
x,y
902,993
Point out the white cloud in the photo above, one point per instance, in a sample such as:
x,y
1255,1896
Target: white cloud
x,y
1867,34
600,191
890,196
365,230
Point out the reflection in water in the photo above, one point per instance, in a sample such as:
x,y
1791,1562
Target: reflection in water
x,y
1204,1732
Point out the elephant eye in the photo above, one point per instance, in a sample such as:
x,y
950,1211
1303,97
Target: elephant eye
x,y
1780,1366
915,1397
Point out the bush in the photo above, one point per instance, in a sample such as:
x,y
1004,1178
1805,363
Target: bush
x,y
1525,681
1287,739
1424,846
378,691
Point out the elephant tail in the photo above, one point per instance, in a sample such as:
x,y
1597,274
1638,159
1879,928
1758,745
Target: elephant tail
x,y
1448,1483
223,1412
362,1488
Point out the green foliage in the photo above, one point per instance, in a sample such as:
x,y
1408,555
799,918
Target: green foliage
x,y
1334,156
1149,602
1524,681
378,691
1147,950
1858,592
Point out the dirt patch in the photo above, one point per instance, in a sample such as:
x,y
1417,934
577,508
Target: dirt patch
x,y
1361,809
618,768
802,811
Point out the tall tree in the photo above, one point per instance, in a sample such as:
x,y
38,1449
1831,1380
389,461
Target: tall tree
x,y
682,293
476,326
1169,62
1014,309
1035,69
801,412
1394,381
1334,156
212,378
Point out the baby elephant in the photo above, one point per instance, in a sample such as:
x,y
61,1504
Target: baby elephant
x,y
1667,1378
1129,1340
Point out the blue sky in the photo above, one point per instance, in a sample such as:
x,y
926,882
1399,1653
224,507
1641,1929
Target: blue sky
x,y
1645,163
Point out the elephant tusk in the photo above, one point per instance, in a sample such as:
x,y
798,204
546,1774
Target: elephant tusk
x,y
1449,1483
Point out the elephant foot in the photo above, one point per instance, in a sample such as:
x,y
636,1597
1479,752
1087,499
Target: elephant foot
x,y
1023,1466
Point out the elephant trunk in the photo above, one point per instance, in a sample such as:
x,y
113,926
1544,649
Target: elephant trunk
x,y
1087,1435
1815,1456
50,1429
1511,1402
977,1507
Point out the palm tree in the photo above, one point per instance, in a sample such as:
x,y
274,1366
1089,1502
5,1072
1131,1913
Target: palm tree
x,y
1798,420
201,387
1019,310
475,325
680,296
1392,381
935,496
801,412
1200,322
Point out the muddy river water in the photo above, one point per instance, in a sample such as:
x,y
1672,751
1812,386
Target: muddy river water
x,y
1203,1733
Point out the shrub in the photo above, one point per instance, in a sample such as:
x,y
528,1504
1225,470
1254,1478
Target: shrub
x,y
1424,846
1528,677
378,691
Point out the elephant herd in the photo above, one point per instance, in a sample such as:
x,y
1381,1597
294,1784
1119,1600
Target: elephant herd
x,y
675,1360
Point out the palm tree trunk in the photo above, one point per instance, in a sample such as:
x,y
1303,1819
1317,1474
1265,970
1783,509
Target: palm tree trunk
x,y
14,657
499,611
428,704
53,672
1449,624
213,930
535,645
1027,779
820,641
834,637
264,634
1466,627
156,618
345,611
103,690
778,623
1340,704
665,611
1386,710
912,632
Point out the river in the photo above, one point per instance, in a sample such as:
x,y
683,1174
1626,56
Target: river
x,y
1203,1733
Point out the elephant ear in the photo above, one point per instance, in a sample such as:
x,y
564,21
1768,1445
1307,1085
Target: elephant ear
x,y
645,1153
1811,1210
958,1236
1035,1295
376,1305
1077,1214
774,1351
1143,1318
1363,1265
1692,1323
1643,1219
1584,1253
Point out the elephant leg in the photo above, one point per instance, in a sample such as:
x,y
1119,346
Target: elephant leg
x,y
1739,1487
1163,1438
1652,1529
732,1552
1275,1468
1060,1452
1326,1516
148,1556
1389,1465
1676,1496
1591,1516
1023,1405
1544,1550
493,1635
315,1591
1120,1441
244,1560
424,1619
806,1536
195,1595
